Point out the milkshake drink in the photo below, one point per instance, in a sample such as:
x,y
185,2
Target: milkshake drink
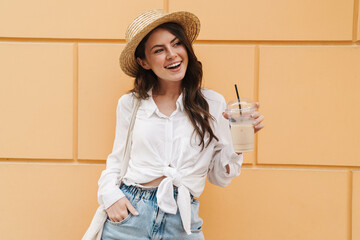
x,y
243,137
241,124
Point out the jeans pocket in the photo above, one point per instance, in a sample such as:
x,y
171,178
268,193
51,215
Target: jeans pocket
x,y
121,222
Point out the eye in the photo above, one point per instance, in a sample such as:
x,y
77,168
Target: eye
x,y
158,50
177,43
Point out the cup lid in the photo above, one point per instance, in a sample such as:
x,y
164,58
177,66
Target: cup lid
x,y
245,104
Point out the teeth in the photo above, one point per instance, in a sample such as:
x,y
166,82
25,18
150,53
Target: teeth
x,y
173,65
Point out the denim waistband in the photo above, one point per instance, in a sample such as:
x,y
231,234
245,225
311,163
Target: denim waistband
x,y
148,193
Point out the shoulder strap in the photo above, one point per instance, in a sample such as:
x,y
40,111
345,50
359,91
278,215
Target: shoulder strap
x,y
126,156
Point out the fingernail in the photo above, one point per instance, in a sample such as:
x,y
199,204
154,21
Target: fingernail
x,y
136,213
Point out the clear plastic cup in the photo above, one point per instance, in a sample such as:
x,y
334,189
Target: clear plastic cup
x,y
241,124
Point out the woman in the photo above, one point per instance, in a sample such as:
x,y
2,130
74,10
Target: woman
x,y
180,135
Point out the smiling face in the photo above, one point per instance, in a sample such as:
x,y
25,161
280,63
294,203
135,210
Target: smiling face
x,y
165,55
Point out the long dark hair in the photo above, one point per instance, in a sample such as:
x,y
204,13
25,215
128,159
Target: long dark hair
x,y
195,105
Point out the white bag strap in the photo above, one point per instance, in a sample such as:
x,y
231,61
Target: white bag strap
x,y
95,229
126,156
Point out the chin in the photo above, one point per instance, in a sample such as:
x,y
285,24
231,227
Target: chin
x,y
178,79
174,78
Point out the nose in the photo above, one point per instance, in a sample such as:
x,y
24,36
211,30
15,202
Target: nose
x,y
171,54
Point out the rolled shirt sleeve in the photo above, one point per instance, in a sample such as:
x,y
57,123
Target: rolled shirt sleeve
x,y
224,153
109,192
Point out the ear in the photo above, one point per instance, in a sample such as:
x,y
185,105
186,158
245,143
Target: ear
x,y
143,63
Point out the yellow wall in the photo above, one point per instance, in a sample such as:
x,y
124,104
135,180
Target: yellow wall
x,y
60,82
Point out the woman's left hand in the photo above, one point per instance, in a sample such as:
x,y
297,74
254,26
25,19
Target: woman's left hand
x,y
258,118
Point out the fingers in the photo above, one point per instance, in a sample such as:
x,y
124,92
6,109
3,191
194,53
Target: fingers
x,y
120,215
120,210
255,115
225,115
132,209
117,215
258,127
258,120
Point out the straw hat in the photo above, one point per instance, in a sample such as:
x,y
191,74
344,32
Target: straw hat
x,y
146,22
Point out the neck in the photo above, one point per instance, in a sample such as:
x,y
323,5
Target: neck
x,y
169,89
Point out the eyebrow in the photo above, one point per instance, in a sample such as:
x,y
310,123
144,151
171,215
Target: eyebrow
x,y
163,45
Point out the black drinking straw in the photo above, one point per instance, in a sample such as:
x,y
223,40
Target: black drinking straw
x,y
237,94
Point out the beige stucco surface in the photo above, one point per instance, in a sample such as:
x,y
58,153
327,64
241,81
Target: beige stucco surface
x,y
60,82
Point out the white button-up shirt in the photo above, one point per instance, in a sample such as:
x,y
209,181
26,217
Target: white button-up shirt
x,y
168,146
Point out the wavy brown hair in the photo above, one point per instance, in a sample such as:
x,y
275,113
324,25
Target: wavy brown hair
x,y
195,105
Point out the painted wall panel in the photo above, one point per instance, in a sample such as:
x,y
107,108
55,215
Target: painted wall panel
x,y
278,204
70,19
101,83
308,95
271,20
49,201
36,100
356,206
358,23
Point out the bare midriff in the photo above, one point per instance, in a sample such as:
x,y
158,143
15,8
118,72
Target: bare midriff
x,y
154,183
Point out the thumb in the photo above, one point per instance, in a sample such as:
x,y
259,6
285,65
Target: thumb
x,y
132,209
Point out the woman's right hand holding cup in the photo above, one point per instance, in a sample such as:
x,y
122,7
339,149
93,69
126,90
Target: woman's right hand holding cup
x,y
120,210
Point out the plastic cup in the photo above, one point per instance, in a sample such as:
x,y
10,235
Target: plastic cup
x,y
241,124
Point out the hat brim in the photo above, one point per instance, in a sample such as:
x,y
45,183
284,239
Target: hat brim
x,y
187,20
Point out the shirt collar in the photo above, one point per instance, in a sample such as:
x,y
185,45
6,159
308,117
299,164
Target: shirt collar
x,y
150,106
180,102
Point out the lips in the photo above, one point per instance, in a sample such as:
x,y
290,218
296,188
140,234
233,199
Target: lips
x,y
173,65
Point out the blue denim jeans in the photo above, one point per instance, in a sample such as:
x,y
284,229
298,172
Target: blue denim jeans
x,y
152,223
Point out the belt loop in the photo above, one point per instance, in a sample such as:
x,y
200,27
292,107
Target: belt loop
x,y
137,193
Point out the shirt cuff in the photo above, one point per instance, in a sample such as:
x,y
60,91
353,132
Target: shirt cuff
x,y
111,197
229,155
231,158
